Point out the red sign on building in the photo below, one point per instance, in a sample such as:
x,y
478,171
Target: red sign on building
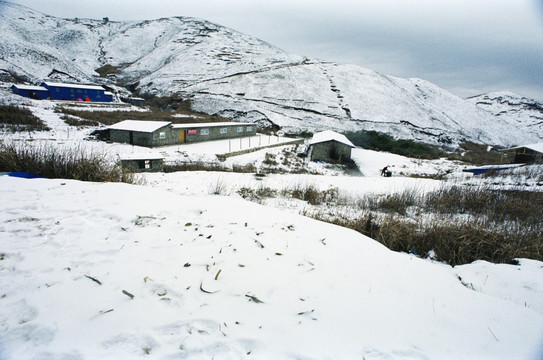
x,y
192,131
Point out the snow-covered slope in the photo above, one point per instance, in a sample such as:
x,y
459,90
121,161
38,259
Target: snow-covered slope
x,y
514,109
243,78
131,272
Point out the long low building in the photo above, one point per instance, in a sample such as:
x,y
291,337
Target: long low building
x,y
198,132
162,133
31,91
62,91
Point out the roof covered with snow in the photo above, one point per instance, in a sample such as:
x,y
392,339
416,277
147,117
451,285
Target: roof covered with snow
x,y
139,125
141,156
535,147
207,124
329,135
75,86
30,87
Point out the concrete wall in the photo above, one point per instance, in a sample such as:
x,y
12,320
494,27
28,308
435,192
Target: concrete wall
x,y
330,151
165,136
156,165
170,136
161,137
215,133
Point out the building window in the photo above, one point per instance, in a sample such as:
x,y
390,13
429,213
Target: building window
x,y
162,135
240,128
224,130
204,131
249,128
144,164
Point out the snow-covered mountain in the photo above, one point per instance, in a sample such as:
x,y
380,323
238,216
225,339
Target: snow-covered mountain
x,y
512,108
243,78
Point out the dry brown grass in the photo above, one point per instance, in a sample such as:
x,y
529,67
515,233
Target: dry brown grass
x,y
457,224
476,154
16,118
64,163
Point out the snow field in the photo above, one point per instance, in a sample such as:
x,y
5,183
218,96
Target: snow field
x,y
198,267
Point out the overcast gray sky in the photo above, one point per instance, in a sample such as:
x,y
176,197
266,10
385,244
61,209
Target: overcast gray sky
x,y
465,46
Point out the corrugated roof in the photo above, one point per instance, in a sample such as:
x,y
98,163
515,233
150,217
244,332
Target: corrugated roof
x,y
535,147
329,135
139,125
208,124
75,86
30,87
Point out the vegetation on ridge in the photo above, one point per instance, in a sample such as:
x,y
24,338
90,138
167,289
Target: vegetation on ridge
x,y
16,118
374,140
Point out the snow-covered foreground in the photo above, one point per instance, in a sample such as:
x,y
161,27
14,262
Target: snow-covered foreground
x,y
219,277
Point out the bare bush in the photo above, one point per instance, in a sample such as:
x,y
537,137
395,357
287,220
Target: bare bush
x,y
66,163
457,224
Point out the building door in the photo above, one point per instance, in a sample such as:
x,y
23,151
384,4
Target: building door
x,y
131,141
182,136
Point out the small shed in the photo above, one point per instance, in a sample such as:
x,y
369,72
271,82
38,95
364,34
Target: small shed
x,y
526,154
30,91
62,91
143,133
199,132
142,162
329,146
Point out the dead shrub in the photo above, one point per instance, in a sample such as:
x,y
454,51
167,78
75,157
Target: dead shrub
x,y
269,160
65,163
257,194
460,225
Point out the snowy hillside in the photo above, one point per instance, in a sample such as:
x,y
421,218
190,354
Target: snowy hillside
x,y
243,78
135,272
514,109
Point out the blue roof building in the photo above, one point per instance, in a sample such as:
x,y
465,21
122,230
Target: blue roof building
x,y
60,91
34,92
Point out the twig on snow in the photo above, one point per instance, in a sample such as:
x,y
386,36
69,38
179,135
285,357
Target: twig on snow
x,y
255,299
131,296
493,334
94,279
207,291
